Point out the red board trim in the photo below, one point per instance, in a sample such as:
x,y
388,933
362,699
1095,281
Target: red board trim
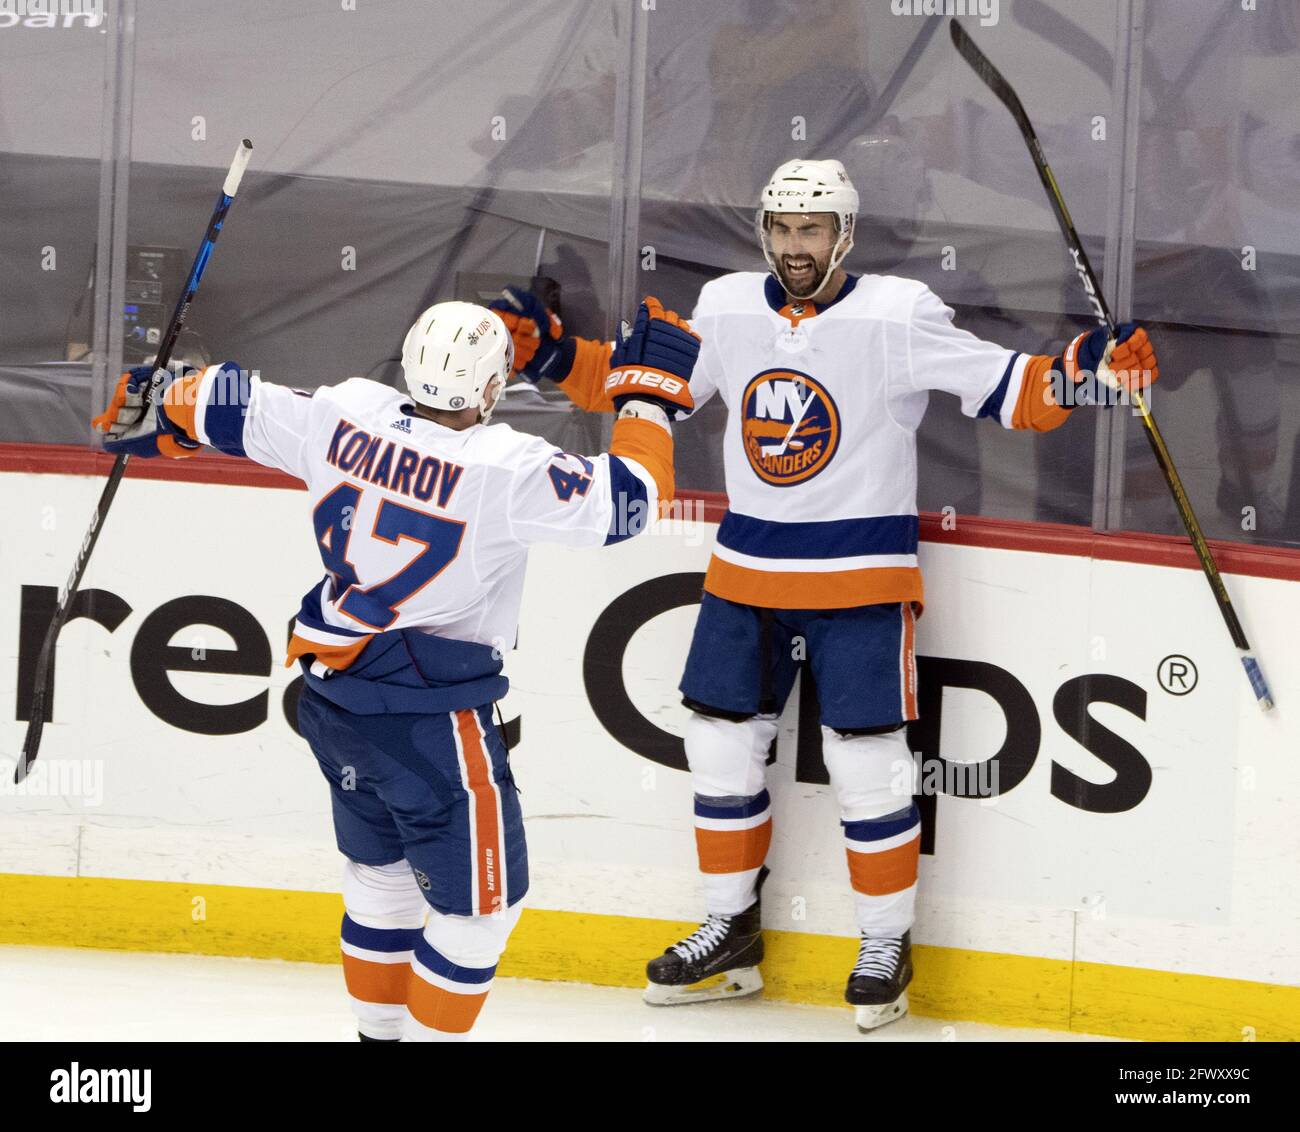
x,y
967,530
67,460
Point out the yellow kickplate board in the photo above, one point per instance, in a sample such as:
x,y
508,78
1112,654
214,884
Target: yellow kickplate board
x,y
971,986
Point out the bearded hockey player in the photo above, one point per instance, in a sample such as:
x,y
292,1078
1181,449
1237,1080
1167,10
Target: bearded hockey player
x,y
423,516
826,377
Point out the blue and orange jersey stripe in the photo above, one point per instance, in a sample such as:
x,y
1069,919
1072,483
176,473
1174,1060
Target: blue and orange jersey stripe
x,y
1036,407
884,853
813,589
487,847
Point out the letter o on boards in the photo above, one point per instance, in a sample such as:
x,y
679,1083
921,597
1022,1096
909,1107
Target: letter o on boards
x,y
152,658
602,664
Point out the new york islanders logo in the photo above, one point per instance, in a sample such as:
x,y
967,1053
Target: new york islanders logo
x,y
789,425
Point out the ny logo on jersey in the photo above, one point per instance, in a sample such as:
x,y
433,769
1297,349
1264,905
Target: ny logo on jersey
x,y
790,426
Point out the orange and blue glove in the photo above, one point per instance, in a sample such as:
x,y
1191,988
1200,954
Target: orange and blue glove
x,y
1130,364
653,361
137,431
541,348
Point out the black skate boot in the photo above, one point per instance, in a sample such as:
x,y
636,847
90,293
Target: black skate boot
x,y
878,983
718,960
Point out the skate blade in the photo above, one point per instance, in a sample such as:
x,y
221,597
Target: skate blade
x,y
871,1018
739,982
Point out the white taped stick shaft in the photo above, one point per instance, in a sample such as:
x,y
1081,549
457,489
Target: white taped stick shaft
x,y
237,167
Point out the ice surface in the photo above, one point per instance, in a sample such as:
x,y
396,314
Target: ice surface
x,y
75,994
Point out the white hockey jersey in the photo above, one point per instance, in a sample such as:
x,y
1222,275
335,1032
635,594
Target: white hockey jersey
x,y
419,526
820,442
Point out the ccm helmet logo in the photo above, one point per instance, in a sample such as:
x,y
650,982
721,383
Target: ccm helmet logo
x,y
648,378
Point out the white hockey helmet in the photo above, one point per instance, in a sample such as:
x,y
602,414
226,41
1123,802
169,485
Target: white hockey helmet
x,y
457,356
810,186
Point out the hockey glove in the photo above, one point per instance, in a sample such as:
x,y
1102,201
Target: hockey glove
x,y
1128,363
541,350
139,432
654,361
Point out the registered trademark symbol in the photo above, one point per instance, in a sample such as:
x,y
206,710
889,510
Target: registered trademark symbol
x,y
1177,675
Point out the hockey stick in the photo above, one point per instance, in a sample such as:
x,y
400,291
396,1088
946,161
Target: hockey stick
x,y
993,79
902,72
45,664
779,449
1170,98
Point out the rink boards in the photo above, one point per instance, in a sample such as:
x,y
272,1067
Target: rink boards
x,y
1132,874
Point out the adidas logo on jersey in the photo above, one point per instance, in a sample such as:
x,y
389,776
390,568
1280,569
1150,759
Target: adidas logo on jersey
x,y
402,424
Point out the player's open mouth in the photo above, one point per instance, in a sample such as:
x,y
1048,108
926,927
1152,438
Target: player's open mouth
x,y
799,271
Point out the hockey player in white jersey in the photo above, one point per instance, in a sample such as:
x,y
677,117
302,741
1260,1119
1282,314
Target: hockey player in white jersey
x,y
423,516
826,377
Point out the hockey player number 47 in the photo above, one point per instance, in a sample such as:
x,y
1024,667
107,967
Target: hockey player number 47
x,y
566,481
376,606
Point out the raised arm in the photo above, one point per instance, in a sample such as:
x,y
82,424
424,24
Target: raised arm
x,y
223,406
581,366
1022,391
601,500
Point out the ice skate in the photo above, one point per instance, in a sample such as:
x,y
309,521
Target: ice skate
x,y
877,987
719,960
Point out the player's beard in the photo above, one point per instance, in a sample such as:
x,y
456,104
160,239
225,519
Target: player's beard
x,y
805,284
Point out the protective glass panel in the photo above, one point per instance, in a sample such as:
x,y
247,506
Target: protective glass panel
x,y
1218,266
397,164
949,196
401,157
51,82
